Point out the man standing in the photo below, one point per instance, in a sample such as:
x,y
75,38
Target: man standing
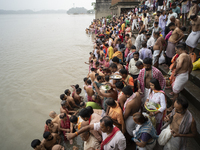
x,y
180,125
176,36
140,38
152,40
130,55
145,52
133,70
112,136
146,74
160,4
183,69
194,36
176,10
168,20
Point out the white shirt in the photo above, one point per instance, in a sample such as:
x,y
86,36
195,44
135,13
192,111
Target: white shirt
x,y
118,142
151,42
146,22
132,68
169,16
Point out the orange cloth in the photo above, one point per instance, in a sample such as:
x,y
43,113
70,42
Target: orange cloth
x,y
172,77
118,54
116,114
130,81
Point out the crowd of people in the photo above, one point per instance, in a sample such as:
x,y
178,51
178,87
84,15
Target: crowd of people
x,y
124,80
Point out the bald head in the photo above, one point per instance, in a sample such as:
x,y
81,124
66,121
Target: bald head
x,y
173,19
52,114
58,147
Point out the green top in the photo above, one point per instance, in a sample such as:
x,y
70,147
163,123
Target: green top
x,y
127,22
93,105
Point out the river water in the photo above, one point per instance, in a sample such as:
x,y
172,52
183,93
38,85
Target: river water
x,y
40,56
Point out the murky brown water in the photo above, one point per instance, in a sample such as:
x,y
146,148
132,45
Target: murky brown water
x,y
40,57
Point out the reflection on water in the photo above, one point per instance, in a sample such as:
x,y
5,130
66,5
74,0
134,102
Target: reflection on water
x,y
41,56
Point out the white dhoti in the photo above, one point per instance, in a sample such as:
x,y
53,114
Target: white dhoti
x,y
180,82
134,24
173,144
145,95
149,146
130,125
192,39
161,59
164,136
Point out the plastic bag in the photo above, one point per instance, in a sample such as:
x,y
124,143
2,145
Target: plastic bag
x,y
196,65
193,57
164,136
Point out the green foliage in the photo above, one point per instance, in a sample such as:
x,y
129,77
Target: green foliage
x,y
109,17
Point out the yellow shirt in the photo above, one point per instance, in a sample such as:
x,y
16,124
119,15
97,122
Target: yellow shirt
x,y
110,52
123,26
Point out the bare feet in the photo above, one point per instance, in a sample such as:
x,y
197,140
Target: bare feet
x,y
71,142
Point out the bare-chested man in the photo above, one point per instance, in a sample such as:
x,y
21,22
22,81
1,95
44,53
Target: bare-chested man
x,y
129,42
145,75
194,36
63,108
141,27
89,90
36,144
131,106
116,61
158,51
77,98
51,127
91,75
176,21
51,139
183,69
182,126
176,36
54,116
70,100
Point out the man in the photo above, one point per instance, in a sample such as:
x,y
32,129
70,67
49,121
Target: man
x,y
115,141
63,108
51,127
77,98
145,52
51,139
91,75
194,9
114,111
126,78
194,36
176,36
168,20
184,11
155,28
133,70
180,124
70,100
115,60
89,90
131,106
160,4
158,48
37,145
162,22
152,40
141,27
183,69
128,45
139,65
65,125
54,116
146,74
176,10
85,84
110,51
140,38
130,55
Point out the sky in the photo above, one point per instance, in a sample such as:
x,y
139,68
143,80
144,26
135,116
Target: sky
x,y
44,4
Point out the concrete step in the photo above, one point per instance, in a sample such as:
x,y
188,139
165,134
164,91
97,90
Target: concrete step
x,y
191,91
195,77
195,113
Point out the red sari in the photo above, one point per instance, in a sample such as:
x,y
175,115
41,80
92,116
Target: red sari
x,y
65,125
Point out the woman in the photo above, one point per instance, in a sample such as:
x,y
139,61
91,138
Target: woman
x,y
144,134
156,95
128,30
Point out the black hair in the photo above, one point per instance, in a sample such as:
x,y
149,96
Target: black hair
x,y
123,71
127,35
85,113
92,69
73,119
90,53
62,96
193,16
180,46
127,90
119,40
90,109
136,53
46,134
173,4
107,78
66,91
106,45
115,59
89,82
184,44
96,74
82,104
119,85
156,22
147,61
144,44
97,63
157,33
76,86
99,78
110,101
107,121
35,143
133,47
48,121
140,117
61,117
183,29
85,79
113,65
78,90
138,63
183,103
145,15
171,24
156,84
